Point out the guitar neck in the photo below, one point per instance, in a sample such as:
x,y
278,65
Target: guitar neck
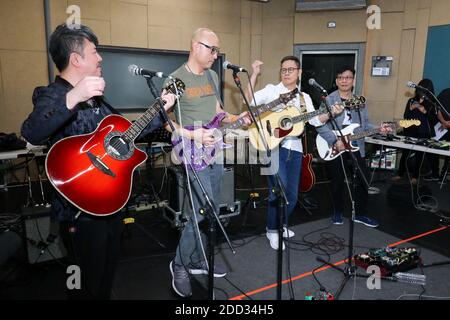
x,y
140,124
308,116
256,110
266,107
364,134
232,126
283,98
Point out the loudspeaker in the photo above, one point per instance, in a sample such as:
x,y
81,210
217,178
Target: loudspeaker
x,y
178,203
227,189
41,235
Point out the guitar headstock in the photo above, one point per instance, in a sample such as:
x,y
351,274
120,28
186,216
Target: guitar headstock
x,y
175,86
286,97
406,123
355,102
390,124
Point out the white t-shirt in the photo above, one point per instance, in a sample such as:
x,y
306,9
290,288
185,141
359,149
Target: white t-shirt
x,y
347,118
272,92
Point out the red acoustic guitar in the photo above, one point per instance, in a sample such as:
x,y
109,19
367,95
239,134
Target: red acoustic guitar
x,y
307,178
94,171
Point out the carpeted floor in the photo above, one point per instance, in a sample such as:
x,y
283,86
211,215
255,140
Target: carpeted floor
x,y
253,269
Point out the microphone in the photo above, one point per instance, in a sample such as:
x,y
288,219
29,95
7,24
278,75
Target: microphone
x,y
228,65
312,82
136,71
411,84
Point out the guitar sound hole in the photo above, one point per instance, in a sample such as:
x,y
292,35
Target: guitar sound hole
x,y
286,123
118,146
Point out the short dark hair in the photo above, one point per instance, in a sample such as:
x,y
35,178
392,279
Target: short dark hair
x,y
342,69
65,40
426,83
293,58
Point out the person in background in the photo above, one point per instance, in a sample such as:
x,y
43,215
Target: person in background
x,y
415,162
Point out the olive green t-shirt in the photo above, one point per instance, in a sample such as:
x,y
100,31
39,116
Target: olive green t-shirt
x,y
198,102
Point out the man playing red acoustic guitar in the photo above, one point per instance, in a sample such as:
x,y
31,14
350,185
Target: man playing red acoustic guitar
x,y
73,105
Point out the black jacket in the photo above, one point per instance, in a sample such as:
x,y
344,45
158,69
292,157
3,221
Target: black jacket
x,y
50,121
427,120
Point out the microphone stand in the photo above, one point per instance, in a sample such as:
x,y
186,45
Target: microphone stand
x,y
350,269
279,191
209,211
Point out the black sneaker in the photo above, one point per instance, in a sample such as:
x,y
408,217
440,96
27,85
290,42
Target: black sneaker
x,y
180,280
219,269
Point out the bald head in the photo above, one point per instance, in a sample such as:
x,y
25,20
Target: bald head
x,y
204,49
201,34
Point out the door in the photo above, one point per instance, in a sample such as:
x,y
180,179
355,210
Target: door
x,y
322,67
320,62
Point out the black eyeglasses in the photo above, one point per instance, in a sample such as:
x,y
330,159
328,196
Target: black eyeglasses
x,y
288,70
341,78
212,48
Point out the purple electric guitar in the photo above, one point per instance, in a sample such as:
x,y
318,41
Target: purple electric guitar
x,y
201,156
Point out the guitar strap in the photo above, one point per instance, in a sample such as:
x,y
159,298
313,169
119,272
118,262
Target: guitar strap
x,y
359,116
302,103
303,110
110,107
213,84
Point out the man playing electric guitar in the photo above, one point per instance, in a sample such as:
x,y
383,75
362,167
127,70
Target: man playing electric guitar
x,y
199,155
290,153
198,105
345,81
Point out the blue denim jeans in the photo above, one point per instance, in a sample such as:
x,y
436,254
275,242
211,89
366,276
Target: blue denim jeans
x,y
189,250
289,169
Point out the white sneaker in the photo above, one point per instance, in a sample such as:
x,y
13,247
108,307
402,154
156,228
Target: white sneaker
x,y
273,239
288,234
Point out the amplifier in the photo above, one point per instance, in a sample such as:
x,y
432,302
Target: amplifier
x,y
41,235
179,203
